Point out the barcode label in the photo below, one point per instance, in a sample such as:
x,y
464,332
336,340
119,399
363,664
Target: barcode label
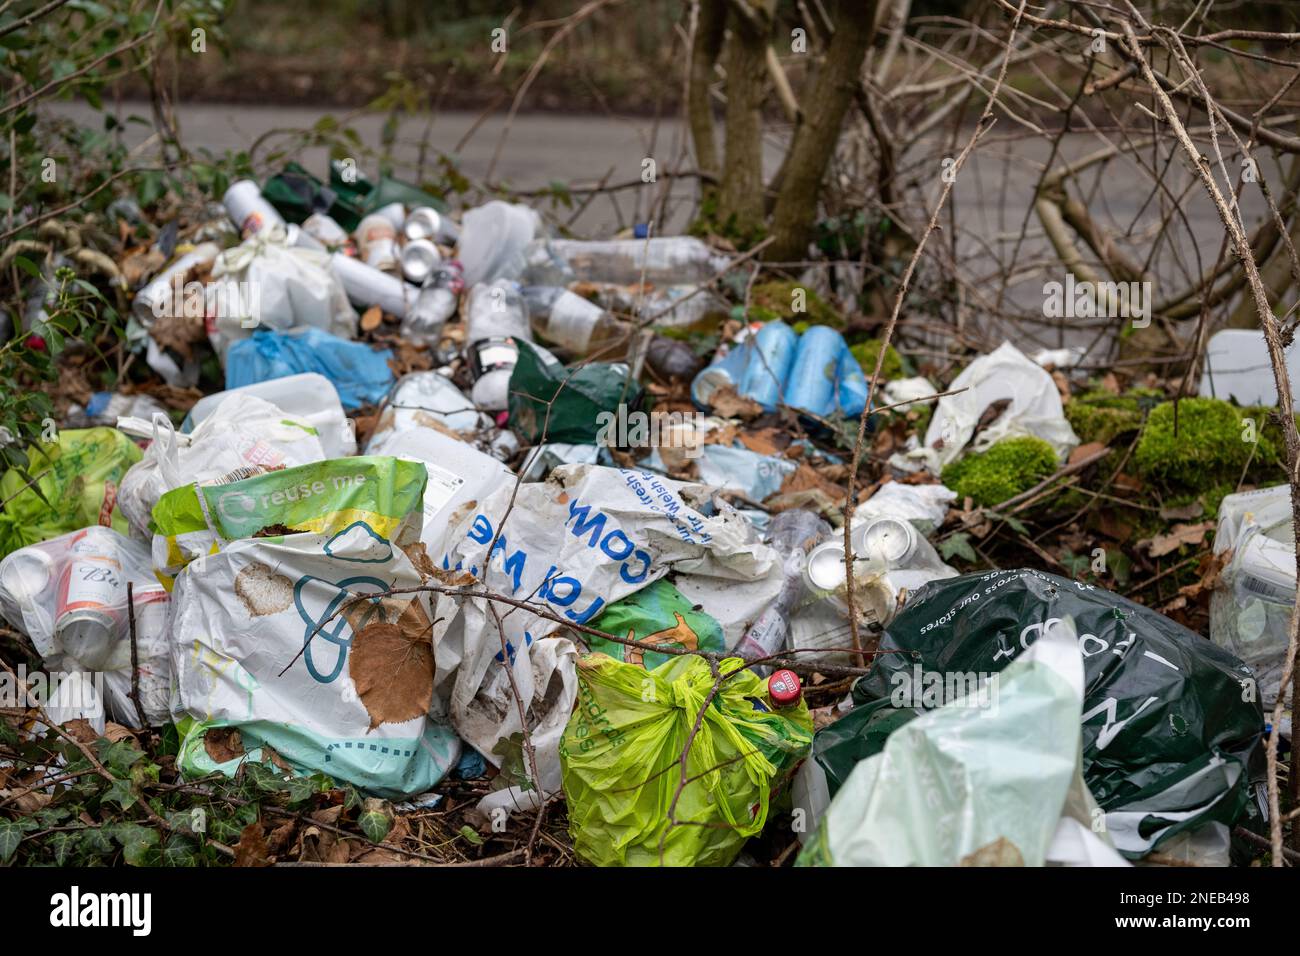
x,y
1277,593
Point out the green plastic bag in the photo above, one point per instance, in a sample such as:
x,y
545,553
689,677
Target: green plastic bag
x,y
657,614
621,750
1171,723
575,415
78,474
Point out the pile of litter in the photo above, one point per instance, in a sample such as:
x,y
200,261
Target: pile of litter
x,y
528,526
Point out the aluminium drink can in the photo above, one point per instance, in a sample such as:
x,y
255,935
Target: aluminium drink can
x,y
91,598
248,210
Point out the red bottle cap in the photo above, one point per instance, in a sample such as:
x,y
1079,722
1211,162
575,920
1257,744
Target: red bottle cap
x,y
784,688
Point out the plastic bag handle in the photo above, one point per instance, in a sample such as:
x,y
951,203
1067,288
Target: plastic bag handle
x,y
169,459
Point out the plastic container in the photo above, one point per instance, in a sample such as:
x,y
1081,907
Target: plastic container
x,y
155,299
793,534
493,238
1237,368
248,210
458,473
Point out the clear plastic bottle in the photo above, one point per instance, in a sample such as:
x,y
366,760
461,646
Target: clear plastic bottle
x,y
792,533
496,310
663,261
435,304
573,323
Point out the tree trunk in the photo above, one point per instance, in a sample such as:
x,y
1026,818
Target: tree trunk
x,y
740,201
710,28
814,142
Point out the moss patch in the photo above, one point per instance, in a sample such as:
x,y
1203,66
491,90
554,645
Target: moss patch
x,y
866,352
1099,416
1011,466
1210,449
775,299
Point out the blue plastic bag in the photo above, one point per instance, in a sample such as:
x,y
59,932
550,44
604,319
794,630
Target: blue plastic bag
x,y
359,373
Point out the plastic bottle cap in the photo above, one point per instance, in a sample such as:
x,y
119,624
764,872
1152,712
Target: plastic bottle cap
x,y
784,688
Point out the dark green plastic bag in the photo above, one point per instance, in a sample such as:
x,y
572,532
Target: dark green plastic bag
x,y
574,417
1172,724
296,194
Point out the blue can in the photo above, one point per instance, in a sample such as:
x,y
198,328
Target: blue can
x,y
757,368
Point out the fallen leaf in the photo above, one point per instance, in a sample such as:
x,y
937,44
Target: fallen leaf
x,y
1085,451
807,478
1180,535
371,318
765,441
1184,512
392,668
726,403
223,744
251,850
1128,482
281,835
81,730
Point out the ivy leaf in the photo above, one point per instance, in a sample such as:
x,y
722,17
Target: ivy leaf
x,y
472,835
63,844
139,843
121,793
11,834
179,852
118,756
375,820
958,545
95,842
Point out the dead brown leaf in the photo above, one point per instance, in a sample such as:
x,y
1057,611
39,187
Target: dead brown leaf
x,y
807,478
765,441
1183,513
251,850
1085,451
392,668
81,730
223,743
180,333
1178,536
727,403
371,318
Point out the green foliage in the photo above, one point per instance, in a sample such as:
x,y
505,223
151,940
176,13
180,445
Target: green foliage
x,y
1100,416
1210,448
1008,468
131,809
777,298
866,353
957,545
708,224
